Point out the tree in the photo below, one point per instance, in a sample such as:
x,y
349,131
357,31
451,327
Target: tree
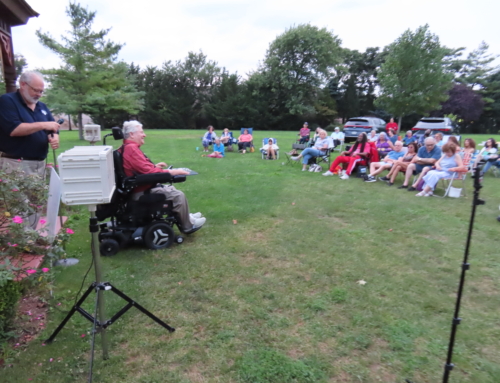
x,y
90,81
297,64
413,77
476,68
463,102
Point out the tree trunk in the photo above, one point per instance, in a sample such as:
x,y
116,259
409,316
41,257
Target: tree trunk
x,y
69,123
80,126
399,123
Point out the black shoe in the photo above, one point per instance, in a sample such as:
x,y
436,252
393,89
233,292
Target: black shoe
x,y
403,187
411,188
383,178
370,179
389,183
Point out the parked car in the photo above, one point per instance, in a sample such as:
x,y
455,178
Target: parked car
x,y
356,125
435,124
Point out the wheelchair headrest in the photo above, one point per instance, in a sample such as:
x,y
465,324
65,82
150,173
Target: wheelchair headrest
x,y
117,133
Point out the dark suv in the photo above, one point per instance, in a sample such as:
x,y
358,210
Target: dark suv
x,y
357,125
436,124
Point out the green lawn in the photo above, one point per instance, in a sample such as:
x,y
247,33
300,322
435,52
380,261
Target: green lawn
x,y
274,297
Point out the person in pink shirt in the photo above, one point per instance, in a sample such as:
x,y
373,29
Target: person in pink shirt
x,y
245,141
135,162
304,133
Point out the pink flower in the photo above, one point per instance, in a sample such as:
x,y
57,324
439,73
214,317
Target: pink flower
x,y
51,359
14,190
45,269
83,335
17,219
12,245
31,271
69,231
59,304
43,222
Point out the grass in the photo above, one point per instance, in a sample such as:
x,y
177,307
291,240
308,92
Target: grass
x,y
274,297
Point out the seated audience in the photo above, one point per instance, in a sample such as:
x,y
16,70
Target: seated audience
x,y
423,137
401,164
373,136
449,163
304,133
358,153
488,153
136,162
426,158
392,136
384,146
338,137
408,138
218,149
378,167
320,147
208,138
439,139
225,137
270,149
245,141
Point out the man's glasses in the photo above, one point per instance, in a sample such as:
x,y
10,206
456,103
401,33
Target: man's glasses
x,y
35,90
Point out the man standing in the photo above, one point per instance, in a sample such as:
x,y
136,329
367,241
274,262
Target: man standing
x,y
392,125
136,162
26,127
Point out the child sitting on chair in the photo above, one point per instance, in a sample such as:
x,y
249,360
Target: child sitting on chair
x,y
270,148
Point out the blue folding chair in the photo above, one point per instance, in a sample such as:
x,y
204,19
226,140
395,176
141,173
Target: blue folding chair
x,y
250,131
265,142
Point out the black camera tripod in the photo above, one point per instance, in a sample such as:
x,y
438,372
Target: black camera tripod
x,y
99,287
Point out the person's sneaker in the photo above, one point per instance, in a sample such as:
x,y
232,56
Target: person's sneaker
x,y
370,179
403,187
311,168
199,222
304,170
411,188
341,173
389,183
196,215
328,173
384,178
294,158
344,177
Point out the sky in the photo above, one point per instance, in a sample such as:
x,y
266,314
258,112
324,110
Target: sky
x,y
237,33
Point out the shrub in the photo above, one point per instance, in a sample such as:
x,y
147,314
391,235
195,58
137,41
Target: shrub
x,y
9,296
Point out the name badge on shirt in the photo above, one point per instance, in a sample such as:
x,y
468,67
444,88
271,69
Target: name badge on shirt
x,y
44,112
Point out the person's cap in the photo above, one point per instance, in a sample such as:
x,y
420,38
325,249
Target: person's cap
x,y
337,128
305,123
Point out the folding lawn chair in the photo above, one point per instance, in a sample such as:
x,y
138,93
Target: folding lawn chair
x,y
264,152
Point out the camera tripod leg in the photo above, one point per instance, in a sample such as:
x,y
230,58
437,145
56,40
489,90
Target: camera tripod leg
x,y
132,303
75,308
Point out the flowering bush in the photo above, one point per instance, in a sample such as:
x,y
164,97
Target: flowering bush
x,y
22,195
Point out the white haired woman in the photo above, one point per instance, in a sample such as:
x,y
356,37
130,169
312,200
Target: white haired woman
x,y
319,148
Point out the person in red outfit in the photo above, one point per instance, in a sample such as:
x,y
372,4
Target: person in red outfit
x,y
135,162
392,125
358,153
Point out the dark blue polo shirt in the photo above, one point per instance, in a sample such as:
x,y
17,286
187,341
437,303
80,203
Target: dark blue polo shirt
x,y
13,112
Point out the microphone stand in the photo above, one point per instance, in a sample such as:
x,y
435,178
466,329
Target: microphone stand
x,y
465,266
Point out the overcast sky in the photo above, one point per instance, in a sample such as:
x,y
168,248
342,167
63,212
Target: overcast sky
x,y
237,33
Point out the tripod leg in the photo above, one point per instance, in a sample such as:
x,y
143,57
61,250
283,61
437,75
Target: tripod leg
x,y
70,314
139,307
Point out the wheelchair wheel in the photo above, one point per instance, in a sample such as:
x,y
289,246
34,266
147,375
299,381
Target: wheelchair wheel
x,y
179,239
109,247
158,235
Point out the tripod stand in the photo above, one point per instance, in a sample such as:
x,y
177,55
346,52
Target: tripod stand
x,y
465,266
99,286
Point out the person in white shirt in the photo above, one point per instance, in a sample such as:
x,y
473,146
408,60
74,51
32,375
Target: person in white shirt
x,y
338,137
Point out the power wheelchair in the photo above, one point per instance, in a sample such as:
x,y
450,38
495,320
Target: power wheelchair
x,y
148,221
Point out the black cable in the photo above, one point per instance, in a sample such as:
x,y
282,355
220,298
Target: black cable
x,y
84,278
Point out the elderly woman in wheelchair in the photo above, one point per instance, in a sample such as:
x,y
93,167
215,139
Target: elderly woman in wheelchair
x,y
142,209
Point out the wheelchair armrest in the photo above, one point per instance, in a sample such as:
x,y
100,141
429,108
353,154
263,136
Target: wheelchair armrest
x,y
153,178
178,179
